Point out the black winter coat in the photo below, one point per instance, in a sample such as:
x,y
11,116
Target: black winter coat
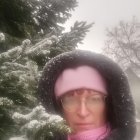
x,y
122,110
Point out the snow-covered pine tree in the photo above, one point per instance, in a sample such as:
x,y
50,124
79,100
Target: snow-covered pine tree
x,y
20,66
39,125
33,19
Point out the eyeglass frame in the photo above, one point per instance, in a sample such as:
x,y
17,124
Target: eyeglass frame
x,y
102,94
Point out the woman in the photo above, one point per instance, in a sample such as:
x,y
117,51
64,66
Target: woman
x,y
91,93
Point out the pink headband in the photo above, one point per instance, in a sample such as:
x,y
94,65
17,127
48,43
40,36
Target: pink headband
x,y
77,78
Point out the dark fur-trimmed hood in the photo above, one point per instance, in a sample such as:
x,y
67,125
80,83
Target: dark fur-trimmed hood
x,y
120,100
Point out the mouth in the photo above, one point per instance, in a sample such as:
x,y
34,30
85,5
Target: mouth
x,y
84,126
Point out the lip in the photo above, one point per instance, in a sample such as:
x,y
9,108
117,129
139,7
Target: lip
x,y
84,125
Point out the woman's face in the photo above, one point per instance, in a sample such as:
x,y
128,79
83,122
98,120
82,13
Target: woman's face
x,y
84,109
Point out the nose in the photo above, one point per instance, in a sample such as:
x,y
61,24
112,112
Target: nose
x,y
83,110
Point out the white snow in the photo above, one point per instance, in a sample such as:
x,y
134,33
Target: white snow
x,y
36,21
26,42
19,138
4,101
2,37
39,118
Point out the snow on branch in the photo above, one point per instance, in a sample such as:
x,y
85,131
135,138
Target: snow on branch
x,y
4,101
2,37
38,120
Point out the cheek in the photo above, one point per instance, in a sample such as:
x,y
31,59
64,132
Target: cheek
x,y
99,114
69,117
101,110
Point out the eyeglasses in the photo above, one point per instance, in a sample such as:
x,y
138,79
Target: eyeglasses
x,y
71,102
